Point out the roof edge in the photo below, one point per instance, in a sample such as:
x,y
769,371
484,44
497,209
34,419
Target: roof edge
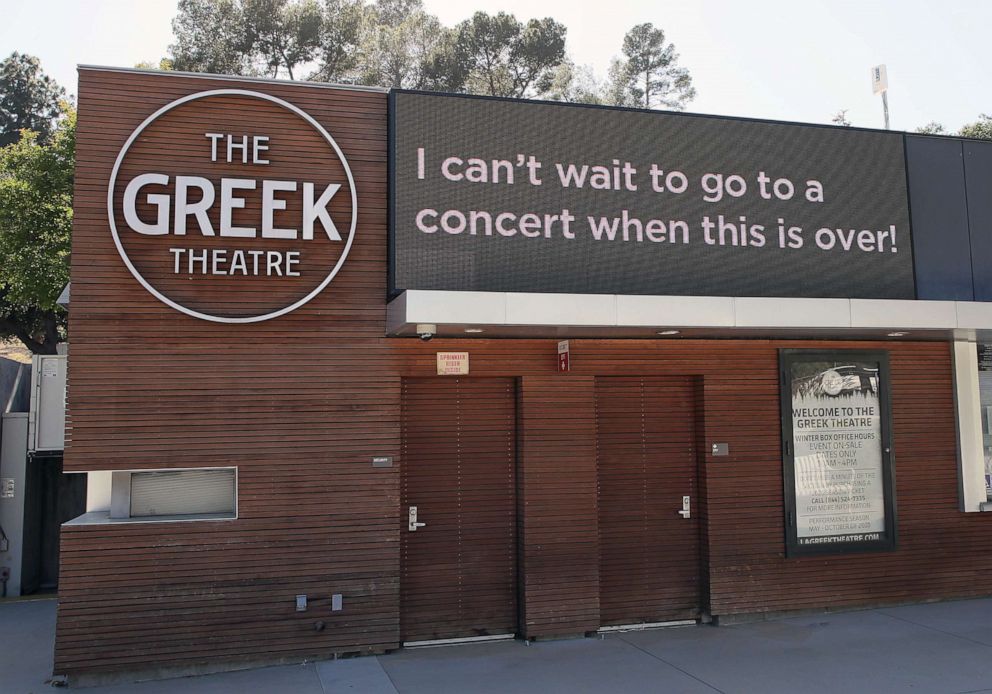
x,y
237,78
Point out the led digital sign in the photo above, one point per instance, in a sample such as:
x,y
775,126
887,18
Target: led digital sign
x,y
502,195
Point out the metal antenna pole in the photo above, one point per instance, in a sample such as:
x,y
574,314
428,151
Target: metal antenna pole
x,y
885,107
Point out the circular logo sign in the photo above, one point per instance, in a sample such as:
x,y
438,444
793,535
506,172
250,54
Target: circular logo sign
x,y
832,382
232,206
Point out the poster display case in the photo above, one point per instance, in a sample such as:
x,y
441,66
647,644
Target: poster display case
x,y
837,445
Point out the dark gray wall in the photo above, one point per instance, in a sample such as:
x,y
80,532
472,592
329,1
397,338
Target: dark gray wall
x,y
978,185
939,205
15,386
950,194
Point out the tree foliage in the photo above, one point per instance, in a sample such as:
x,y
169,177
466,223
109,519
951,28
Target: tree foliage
x,y
282,34
982,128
932,128
266,37
502,56
212,36
396,43
35,228
246,37
164,65
402,46
341,26
653,76
29,99
616,90
573,83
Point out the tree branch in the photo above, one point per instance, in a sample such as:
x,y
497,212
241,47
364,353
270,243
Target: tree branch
x,y
7,326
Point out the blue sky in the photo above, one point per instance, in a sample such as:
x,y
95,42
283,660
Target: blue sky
x,y
797,60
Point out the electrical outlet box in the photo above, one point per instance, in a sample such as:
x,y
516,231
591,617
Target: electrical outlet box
x,y
301,603
337,602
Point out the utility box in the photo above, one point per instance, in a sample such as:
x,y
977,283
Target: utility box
x,y
46,420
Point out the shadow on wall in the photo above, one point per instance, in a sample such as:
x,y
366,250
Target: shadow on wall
x,y
15,386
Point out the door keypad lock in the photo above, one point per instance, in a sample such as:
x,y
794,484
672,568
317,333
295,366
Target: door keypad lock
x,y
685,513
413,524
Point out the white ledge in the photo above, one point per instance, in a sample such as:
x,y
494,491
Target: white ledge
x,y
514,309
103,518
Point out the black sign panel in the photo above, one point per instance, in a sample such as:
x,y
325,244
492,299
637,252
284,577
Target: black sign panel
x,y
502,195
836,428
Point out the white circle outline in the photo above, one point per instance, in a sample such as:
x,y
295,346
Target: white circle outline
x,y
258,95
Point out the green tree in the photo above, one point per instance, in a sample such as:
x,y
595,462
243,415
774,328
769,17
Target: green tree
x,y
932,128
572,83
35,227
982,128
212,36
282,34
445,68
339,38
164,65
402,46
502,56
651,65
616,91
266,37
29,99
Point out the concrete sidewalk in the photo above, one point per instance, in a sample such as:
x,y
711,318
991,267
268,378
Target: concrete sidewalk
x,y
943,648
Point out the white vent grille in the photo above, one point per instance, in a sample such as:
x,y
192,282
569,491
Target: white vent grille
x,y
182,492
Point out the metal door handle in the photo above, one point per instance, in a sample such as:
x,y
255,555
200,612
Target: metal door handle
x,y
684,512
413,524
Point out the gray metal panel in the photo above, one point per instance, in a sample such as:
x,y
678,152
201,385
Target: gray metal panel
x,y
13,465
941,242
978,181
15,386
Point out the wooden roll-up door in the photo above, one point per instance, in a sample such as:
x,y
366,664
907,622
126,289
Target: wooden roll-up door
x,y
459,471
649,552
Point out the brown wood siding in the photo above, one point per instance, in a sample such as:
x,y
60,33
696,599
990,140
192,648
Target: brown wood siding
x,y
646,460
301,404
702,503
940,551
741,516
559,541
459,571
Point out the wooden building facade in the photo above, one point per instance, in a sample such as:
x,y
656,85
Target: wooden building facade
x,y
551,498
